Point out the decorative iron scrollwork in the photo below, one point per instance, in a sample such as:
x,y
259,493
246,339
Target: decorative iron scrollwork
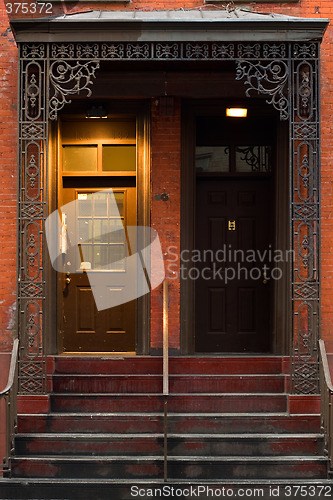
x,y
167,51
258,158
68,78
267,79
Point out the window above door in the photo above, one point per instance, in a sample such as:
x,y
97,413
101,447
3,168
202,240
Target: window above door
x,y
98,147
230,146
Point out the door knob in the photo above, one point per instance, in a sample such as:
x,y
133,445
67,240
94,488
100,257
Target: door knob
x,y
265,280
68,279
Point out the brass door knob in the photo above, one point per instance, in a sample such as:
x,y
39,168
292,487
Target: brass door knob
x,y
265,280
68,279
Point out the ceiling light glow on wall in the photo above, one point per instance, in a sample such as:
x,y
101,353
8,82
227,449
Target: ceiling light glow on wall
x,y
236,112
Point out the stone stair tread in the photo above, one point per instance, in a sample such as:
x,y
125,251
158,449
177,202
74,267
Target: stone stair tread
x,y
71,480
171,375
193,458
154,394
170,414
160,414
244,435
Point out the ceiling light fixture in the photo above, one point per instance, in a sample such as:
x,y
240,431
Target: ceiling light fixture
x,y
236,112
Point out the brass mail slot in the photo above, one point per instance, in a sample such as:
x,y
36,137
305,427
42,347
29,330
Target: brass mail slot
x,y
232,225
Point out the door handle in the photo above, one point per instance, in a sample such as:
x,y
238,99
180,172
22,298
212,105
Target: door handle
x,y
265,280
68,279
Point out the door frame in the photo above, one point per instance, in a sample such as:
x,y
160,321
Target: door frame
x,y
142,111
281,324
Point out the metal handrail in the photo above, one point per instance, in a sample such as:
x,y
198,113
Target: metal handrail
x,y
9,394
326,403
165,371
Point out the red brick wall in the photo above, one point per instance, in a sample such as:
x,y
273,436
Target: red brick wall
x,y
8,120
165,215
166,165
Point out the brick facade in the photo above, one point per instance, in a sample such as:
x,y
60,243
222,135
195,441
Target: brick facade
x,y
8,141
165,216
166,162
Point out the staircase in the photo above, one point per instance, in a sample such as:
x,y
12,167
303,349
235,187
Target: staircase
x,y
227,421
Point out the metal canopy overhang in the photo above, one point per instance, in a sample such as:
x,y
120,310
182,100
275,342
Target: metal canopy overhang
x,y
169,26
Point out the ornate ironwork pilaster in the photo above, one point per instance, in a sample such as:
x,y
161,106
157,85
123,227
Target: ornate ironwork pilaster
x,y
32,210
305,215
286,73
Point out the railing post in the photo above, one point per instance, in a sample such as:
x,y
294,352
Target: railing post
x,y
165,372
326,403
9,395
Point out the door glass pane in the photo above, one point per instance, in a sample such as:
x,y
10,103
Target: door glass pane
x,y
212,159
117,234
100,204
119,158
101,232
86,254
119,199
100,256
101,229
84,202
79,158
253,159
85,230
117,255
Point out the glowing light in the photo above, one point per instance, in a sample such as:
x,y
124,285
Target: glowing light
x,y
237,112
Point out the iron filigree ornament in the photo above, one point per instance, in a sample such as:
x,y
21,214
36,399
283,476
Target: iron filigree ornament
x,y
268,79
68,78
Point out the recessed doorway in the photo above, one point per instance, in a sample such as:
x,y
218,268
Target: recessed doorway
x,y
234,287
99,162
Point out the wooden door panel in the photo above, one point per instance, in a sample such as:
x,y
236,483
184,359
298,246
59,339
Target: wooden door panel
x,y
233,315
246,199
218,310
246,232
85,310
217,232
246,307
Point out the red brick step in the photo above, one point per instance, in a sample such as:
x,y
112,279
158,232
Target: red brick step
x,y
178,444
213,402
180,422
215,365
177,383
178,467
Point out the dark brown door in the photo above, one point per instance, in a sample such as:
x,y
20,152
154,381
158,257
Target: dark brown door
x,y
84,328
233,236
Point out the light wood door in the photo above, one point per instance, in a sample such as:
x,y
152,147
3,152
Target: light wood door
x,y
101,234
